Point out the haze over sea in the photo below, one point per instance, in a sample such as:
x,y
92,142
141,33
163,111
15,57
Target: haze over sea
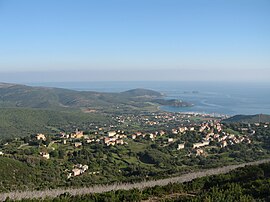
x,y
207,97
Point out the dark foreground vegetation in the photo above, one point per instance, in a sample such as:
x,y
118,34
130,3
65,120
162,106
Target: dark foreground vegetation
x,y
251,183
248,118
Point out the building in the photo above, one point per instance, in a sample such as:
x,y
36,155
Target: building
x,y
120,141
224,144
170,140
45,155
199,152
77,144
90,140
200,144
151,135
182,129
111,143
181,146
69,175
111,133
138,133
76,171
107,140
161,133
85,168
174,131
78,134
41,136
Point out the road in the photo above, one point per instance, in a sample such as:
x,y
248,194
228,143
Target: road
x,y
125,186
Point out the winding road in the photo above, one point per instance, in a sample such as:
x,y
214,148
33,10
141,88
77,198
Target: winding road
x,y
17,195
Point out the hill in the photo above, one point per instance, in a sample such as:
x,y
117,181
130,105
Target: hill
x,y
26,110
142,92
14,174
248,118
19,122
14,95
249,183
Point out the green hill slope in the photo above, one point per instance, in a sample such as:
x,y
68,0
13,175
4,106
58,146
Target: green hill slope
x,y
14,174
15,122
248,118
13,95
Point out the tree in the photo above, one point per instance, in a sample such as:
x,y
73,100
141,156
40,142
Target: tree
x,y
54,154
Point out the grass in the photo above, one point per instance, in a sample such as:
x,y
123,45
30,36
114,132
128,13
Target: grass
x,y
136,146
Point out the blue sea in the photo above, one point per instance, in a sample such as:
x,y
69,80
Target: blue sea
x,y
207,97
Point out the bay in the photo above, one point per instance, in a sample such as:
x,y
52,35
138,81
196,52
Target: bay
x,y
207,97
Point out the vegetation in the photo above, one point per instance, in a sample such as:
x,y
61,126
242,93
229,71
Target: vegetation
x,y
248,118
31,163
141,158
20,122
13,95
25,110
251,183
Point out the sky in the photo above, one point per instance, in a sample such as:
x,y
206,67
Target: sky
x,y
89,40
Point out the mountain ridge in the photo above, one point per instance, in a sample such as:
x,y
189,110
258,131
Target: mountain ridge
x,y
17,95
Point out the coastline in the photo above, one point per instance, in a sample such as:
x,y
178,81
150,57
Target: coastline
x,y
193,113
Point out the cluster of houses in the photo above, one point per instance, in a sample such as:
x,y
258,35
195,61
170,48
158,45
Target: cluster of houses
x,y
77,135
77,170
111,138
211,132
115,138
224,139
152,136
166,118
156,119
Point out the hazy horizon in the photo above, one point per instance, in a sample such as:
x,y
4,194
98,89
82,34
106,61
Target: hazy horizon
x,y
257,76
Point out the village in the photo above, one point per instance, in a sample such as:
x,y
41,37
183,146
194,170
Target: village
x,y
210,133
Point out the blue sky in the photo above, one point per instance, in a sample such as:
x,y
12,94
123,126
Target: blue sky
x,y
127,36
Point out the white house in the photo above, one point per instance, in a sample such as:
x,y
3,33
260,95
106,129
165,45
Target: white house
x,y
200,144
111,133
170,140
181,146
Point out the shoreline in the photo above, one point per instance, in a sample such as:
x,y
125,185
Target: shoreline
x,y
214,115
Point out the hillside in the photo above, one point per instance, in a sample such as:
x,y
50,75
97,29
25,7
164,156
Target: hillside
x,y
26,110
248,118
19,122
15,173
247,184
142,92
14,95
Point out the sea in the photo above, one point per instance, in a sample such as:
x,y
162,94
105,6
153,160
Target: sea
x,y
224,98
